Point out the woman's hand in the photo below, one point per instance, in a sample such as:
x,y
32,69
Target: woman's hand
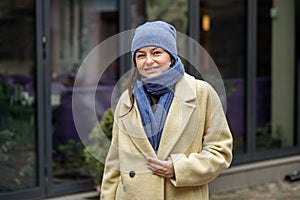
x,y
163,168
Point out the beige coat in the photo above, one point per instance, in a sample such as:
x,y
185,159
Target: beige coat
x,y
196,136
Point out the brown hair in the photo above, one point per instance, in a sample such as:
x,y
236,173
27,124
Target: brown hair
x,y
131,82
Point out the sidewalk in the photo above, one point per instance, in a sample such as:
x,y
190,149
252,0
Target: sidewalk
x,y
80,196
276,190
269,191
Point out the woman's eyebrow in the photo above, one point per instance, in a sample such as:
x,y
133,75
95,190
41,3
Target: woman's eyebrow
x,y
155,48
152,49
140,51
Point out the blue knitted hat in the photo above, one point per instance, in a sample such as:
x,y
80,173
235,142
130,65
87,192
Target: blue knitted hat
x,y
157,33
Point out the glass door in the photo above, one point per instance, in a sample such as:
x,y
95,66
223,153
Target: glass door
x,y
275,77
223,23
20,158
76,28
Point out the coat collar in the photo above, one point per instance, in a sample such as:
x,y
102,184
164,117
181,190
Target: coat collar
x,y
185,90
179,114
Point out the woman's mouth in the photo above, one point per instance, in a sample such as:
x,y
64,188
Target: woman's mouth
x,y
149,69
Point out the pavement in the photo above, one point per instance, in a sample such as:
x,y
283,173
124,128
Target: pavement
x,y
92,195
276,190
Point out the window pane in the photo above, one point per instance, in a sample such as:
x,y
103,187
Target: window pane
x,y
172,11
18,151
223,35
77,28
275,74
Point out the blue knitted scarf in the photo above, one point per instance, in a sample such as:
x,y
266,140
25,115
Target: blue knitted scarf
x,y
162,87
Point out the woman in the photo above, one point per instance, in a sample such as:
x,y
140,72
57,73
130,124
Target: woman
x,y
170,134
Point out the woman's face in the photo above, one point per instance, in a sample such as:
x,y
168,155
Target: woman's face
x,y
152,61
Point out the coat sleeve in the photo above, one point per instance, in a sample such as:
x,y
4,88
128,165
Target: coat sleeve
x,y
216,154
111,175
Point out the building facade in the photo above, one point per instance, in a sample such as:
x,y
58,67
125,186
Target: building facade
x,y
43,44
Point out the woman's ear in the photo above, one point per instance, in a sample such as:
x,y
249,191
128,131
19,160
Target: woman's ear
x,y
172,62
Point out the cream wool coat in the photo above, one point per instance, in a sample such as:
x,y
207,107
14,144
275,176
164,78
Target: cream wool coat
x,y
196,136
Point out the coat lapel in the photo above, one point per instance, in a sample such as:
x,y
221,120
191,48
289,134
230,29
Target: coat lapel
x,y
179,115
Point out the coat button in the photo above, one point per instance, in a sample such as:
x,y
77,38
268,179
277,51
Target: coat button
x,y
132,173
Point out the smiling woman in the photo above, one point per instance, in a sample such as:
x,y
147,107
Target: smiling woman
x,y
152,61
169,124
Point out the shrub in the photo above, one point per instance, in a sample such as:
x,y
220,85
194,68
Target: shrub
x,y
96,151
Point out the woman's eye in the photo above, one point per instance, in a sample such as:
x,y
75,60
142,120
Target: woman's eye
x,y
157,53
140,56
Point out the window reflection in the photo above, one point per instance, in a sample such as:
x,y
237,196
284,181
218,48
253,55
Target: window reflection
x,y
223,35
172,11
18,156
77,27
275,75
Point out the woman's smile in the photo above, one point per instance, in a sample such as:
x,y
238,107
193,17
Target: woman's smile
x,y
151,69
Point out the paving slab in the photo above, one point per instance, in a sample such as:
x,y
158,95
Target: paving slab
x,y
275,190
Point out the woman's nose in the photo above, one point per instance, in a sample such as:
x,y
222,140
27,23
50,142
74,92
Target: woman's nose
x,y
149,59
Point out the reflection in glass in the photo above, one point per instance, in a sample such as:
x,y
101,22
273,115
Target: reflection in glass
x,y
77,28
18,156
172,11
275,75
223,35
